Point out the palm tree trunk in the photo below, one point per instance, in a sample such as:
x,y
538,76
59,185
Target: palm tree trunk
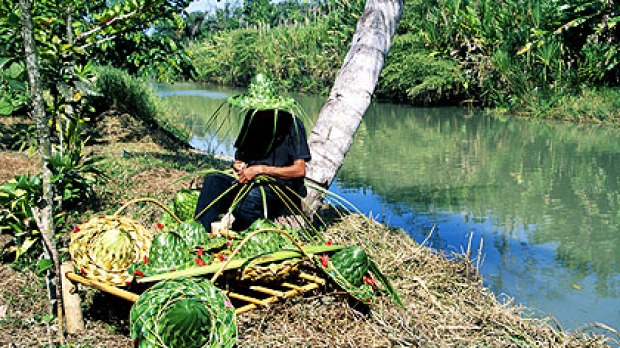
x,y
351,95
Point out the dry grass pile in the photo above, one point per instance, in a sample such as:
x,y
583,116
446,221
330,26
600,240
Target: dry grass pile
x,y
445,305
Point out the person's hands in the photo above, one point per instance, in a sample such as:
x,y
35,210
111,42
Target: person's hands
x,y
238,166
249,173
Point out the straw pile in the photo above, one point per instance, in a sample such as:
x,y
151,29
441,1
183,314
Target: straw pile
x,y
446,305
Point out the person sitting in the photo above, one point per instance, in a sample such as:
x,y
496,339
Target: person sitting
x,y
272,142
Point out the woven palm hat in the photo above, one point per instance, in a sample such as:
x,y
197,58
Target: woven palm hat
x,y
262,95
104,247
184,312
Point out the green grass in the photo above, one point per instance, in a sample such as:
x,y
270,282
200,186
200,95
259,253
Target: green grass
x,y
595,105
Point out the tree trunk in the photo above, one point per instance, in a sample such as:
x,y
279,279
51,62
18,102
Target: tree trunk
x,y
43,212
342,114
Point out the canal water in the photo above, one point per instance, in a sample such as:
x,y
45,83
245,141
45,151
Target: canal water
x,y
540,200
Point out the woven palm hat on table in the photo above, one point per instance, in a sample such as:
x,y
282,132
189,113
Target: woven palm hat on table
x,y
183,312
347,269
104,247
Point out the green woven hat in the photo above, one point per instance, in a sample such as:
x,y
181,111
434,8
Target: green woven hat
x,y
347,269
185,312
262,95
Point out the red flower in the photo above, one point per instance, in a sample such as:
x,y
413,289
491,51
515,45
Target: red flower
x,y
324,260
329,242
138,273
146,260
368,299
199,252
222,258
369,281
76,228
200,262
82,271
127,283
160,226
229,243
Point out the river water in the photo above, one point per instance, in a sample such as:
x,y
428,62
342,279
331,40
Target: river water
x,y
540,200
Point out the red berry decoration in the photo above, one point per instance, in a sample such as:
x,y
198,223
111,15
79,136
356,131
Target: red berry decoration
x,y
324,260
369,281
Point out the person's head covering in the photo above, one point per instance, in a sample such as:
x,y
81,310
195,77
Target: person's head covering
x,y
262,104
262,95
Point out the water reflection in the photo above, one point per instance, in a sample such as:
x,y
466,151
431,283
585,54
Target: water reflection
x,y
540,197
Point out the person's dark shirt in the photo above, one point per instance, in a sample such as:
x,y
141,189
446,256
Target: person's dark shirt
x,y
260,143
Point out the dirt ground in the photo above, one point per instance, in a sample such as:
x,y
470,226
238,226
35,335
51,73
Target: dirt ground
x,y
14,163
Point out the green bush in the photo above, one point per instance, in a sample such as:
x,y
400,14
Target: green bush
x,y
13,97
418,77
119,90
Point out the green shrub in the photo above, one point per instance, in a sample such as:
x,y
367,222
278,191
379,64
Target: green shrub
x,y
119,90
412,74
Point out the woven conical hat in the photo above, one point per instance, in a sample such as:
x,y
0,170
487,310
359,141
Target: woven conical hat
x,y
90,241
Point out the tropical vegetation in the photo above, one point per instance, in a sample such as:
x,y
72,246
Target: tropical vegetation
x,y
537,58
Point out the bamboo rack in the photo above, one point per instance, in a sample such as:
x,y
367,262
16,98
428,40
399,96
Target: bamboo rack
x,y
307,282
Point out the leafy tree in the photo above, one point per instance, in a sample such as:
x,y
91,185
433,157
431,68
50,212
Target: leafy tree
x,y
57,41
258,12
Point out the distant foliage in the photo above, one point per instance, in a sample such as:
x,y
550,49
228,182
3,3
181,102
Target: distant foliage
x,y
415,76
504,53
304,54
481,52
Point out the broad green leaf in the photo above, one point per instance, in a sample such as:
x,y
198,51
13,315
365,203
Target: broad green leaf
x,y
5,108
43,265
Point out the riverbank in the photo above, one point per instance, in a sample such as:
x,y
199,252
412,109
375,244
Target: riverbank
x,y
446,303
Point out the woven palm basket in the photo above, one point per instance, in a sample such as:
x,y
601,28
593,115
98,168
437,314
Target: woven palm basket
x,y
104,247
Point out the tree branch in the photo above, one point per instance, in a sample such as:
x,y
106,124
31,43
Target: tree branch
x,y
105,25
